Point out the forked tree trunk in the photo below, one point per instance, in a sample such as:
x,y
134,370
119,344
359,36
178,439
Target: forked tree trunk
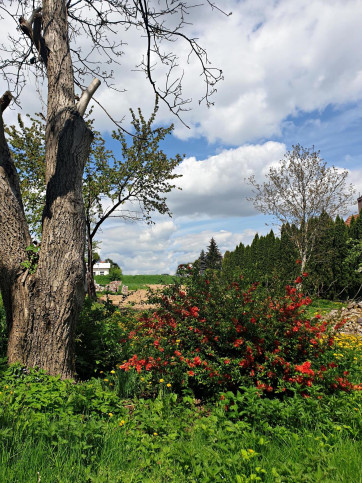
x,y
42,307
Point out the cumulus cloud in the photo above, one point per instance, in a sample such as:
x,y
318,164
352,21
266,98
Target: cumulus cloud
x,y
278,59
216,186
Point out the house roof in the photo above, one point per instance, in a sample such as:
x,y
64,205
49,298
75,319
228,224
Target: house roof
x,y
349,219
102,265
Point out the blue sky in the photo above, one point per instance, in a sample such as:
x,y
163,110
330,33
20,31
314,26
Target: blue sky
x,y
292,74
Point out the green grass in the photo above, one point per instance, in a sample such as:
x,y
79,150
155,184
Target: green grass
x,y
134,282
172,440
322,306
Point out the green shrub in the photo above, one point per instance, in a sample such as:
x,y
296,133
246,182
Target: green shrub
x,y
97,339
102,279
115,273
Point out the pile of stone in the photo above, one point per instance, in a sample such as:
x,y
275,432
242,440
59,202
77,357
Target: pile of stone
x,y
112,287
353,313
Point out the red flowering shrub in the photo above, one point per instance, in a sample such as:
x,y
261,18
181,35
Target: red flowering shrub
x,y
214,336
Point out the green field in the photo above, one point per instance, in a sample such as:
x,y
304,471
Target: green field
x,y
135,282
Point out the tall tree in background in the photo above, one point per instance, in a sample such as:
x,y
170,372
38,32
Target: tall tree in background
x,y
42,302
213,256
298,191
202,262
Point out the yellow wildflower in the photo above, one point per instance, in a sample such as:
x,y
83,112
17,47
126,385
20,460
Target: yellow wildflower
x,y
110,415
121,423
161,380
168,385
155,434
251,451
105,380
113,372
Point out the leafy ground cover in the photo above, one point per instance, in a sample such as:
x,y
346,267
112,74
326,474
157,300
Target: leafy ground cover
x,y
54,430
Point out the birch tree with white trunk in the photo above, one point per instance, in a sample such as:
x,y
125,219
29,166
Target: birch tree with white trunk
x,y
297,191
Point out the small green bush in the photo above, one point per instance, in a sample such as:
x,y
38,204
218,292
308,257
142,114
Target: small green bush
x,y
115,273
98,335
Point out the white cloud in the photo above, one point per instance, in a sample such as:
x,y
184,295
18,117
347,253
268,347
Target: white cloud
x,y
161,248
216,186
278,58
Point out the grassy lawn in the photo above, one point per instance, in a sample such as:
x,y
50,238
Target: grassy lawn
x,y
135,282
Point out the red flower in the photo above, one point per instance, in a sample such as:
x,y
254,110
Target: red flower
x,y
190,373
305,274
305,368
298,280
194,311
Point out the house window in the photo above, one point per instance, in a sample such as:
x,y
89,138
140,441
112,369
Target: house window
x,y
101,273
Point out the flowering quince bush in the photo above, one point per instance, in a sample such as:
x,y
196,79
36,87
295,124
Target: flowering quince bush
x,y
212,335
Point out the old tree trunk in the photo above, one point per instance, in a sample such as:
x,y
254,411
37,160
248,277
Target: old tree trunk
x,y
42,303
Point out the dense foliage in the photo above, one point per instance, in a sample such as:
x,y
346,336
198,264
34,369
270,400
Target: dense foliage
x,y
54,430
334,269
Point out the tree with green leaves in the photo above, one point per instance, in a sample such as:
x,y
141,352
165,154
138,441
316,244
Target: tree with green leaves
x,y
141,176
297,191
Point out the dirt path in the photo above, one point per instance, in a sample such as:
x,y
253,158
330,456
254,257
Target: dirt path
x,y
136,299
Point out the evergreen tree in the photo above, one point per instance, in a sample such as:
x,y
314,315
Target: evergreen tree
x,y
340,275
288,255
202,262
213,256
320,266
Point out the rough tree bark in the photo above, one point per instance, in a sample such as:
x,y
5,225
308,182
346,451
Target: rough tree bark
x,y
42,304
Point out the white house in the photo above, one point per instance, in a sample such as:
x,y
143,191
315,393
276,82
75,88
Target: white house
x,y
101,268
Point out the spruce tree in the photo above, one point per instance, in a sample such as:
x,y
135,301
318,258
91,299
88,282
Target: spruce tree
x,y
340,275
202,262
213,256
